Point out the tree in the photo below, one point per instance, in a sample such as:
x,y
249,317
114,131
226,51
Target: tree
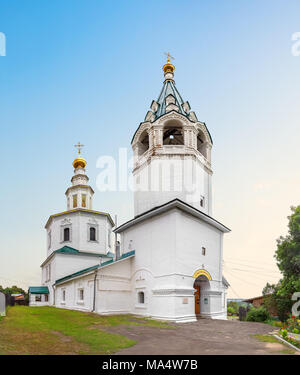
x,y
12,290
288,262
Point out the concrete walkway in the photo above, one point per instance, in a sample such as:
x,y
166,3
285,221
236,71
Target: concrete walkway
x,y
202,337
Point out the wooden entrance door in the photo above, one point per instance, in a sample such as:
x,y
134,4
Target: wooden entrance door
x,y
197,300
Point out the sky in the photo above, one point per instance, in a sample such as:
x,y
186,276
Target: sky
x,y
87,70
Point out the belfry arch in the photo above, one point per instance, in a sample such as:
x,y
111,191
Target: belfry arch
x,y
173,133
202,144
143,142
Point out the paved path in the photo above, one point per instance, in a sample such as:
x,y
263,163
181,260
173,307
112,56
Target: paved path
x,y
202,337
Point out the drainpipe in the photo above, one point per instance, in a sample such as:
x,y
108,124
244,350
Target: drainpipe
x,y
53,287
116,239
94,300
117,250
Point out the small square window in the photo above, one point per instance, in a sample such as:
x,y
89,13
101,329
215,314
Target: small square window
x,y
203,251
38,298
202,200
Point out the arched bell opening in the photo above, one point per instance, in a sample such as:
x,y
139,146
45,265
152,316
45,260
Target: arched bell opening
x,y
143,143
173,133
202,144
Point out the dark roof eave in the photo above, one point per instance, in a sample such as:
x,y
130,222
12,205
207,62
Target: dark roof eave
x,y
81,253
38,290
175,203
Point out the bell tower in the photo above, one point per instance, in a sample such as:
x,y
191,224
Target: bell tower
x,y
172,153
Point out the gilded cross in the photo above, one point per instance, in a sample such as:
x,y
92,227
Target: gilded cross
x,y
79,147
169,57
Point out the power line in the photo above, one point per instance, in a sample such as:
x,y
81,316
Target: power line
x,y
257,274
247,282
234,292
255,267
244,260
253,272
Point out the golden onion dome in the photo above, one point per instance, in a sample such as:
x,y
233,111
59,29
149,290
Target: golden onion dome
x,y
79,162
168,68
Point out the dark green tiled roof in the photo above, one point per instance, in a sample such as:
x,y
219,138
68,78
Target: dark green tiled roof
x,y
77,273
86,270
126,255
38,290
71,250
169,88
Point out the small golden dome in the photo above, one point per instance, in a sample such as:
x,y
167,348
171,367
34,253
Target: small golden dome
x,y
79,162
168,68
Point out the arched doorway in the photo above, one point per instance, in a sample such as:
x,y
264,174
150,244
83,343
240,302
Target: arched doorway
x,y
200,284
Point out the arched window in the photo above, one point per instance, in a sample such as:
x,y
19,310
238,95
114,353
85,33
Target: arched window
x,y
83,200
144,142
67,234
92,234
141,297
201,144
173,133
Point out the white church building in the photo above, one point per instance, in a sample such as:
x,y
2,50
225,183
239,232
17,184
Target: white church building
x,y
167,262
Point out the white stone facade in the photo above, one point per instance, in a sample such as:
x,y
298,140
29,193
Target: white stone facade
x,y
168,252
170,261
79,222
38,300
163,172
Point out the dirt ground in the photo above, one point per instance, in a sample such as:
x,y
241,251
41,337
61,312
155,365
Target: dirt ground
x,y
202,337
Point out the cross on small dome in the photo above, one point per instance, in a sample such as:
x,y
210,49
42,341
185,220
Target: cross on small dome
x,y
79,162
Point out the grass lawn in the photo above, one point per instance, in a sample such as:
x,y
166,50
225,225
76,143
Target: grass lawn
x,y
271,339
49,330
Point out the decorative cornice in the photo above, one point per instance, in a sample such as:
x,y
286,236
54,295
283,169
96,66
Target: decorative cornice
x,y
172,291
83,210
79,186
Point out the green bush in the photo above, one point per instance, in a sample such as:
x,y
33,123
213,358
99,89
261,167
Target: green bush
x,y
233,305
230,310
284,333
259,314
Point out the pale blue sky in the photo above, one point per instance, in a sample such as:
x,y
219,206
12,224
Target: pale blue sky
x,y
88,70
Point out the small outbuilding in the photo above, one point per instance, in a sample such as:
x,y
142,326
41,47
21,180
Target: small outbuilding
x,y
19,299
38,296
260,301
